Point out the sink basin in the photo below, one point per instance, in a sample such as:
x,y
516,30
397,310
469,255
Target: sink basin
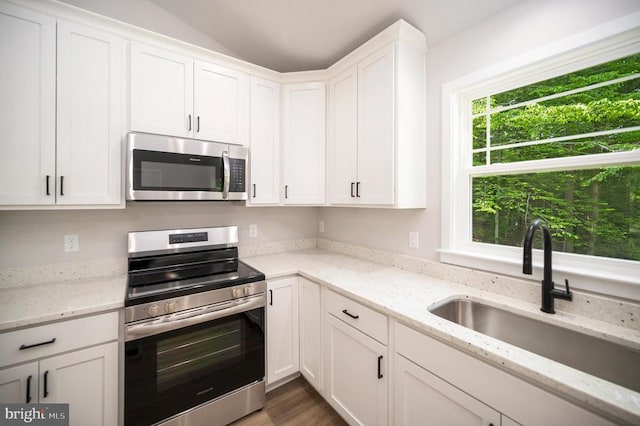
x,y
604,359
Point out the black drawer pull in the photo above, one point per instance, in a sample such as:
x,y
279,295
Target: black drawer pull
x,y
29,389
380,376
48,192
254,190
357,189
48,342
352,185
349,314
271,297
46,388
61,185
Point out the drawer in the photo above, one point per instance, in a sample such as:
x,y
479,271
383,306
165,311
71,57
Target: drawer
x,y
366,319
68,335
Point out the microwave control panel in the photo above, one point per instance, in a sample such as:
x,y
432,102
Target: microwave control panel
x,y
237,183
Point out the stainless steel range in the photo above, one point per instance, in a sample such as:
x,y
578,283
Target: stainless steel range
x,y
195,329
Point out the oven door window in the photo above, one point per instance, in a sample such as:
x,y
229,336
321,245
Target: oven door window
x,y
165,171
172,372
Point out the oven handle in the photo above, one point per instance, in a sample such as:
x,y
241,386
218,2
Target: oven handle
x,y
226,171
152,327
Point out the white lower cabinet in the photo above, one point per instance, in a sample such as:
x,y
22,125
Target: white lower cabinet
x,y
422,398
282,329
59,368
434,381
355,374
310,326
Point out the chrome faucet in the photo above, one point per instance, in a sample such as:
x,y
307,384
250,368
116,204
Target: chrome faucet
x,y
549,293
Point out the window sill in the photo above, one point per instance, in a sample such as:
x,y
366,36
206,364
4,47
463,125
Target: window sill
x,y
589,278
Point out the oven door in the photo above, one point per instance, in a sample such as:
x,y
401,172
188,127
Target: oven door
x,y
183,360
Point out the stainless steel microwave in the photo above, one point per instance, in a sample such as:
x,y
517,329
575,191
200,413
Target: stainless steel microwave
x,y
175,169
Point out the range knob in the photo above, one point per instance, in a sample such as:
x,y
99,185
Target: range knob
x,y
170,307
236,292
248,290
153,310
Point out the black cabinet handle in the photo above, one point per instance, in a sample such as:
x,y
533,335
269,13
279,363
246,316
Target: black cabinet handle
x,y
358,189
35,345
254,190
380,376
351,315
286,191
29,389
198,124
352,185
48,192
46,389
61,185
271,297
189,123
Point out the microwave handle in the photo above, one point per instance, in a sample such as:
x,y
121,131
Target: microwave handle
x,y
226,172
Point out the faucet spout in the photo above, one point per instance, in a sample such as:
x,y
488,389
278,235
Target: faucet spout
x,y
549,293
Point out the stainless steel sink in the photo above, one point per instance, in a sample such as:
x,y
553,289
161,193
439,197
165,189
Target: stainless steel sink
x,y
609,361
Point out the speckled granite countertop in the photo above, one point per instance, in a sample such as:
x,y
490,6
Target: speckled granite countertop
x,y
28,305
403,295
406,296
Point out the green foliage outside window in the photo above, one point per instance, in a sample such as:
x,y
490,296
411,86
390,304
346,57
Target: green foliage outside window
x,y
594,212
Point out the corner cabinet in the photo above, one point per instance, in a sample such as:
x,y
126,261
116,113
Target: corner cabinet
x,y
60,363
264,136
176,95
61,146
377,130
282,329
304,143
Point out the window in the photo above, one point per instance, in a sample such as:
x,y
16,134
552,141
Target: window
x,y
556,139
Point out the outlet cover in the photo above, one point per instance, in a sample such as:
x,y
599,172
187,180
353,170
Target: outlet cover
x,y
253,231
321,226
413,239
71,242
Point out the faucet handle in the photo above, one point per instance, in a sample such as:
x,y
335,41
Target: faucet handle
x,y
566,285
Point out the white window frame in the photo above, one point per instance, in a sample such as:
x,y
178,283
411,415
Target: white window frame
x,y
615,277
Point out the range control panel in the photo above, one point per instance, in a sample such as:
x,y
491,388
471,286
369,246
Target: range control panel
x,y
188,238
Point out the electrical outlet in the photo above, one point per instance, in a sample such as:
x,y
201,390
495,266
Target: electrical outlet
x,y
413,239
253,231
71,242
321,226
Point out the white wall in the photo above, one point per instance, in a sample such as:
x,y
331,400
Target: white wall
x,y
148,15
37,237
528,25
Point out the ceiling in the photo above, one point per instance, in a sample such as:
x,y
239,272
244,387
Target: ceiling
x,y
299,35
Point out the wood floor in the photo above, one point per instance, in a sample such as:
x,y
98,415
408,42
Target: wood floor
x,y
295,403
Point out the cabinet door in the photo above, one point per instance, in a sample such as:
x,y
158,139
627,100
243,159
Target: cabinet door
x,y
87,381
27,105
19,385
282,329
89,115
220,97
343,137
265,142
310,340
161,91
376,130
304,143
423,398
356,374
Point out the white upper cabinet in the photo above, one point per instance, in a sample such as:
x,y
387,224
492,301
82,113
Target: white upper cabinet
x,y
265,142
304,143
27,106
220,104
171,94
161,91
89,102
377,116
376,128
343,137
76,158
